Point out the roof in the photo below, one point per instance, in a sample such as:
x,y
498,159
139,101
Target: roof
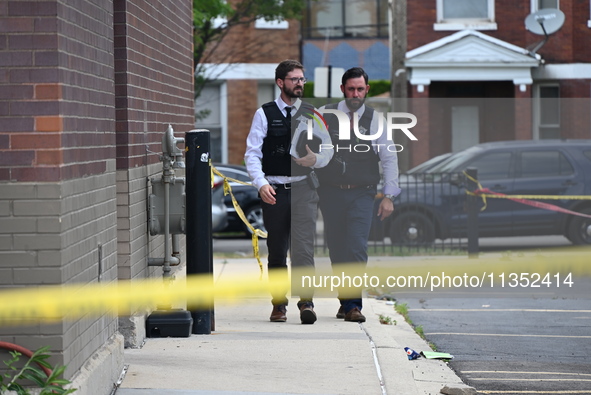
x,y
469,55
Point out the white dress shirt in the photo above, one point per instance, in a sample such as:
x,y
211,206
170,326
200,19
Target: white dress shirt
x,y
254,144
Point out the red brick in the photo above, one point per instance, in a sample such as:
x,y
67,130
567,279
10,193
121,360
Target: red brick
x,y
49,157
35,141
38,8
4,141
30,174
4,174
33,41
48,91
16,25
49,124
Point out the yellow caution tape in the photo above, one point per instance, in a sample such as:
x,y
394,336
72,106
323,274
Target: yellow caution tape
x,y
479,187
534,197
536,272
256,233
484,196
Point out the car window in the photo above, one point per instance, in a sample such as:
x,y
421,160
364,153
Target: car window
x,y
454,160
544,164
423,167
496,165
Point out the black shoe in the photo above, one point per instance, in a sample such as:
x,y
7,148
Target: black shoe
x,y
307,314
341,313
355,315
278,313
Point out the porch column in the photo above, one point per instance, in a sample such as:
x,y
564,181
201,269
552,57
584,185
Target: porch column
x,y
419,150
523,112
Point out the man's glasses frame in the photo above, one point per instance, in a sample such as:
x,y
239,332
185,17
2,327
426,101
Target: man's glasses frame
x,y
295,80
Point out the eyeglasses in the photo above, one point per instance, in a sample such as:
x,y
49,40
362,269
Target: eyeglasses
x,y
295,80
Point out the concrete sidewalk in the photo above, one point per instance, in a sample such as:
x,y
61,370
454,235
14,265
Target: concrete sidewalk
x,y
247,354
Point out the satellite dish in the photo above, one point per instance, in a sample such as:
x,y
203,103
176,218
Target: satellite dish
x,y
545,21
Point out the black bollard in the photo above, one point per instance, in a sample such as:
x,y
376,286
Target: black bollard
x,y
198,217
473,209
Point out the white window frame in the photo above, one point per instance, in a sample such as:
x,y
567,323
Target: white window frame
x,y
222,125
465,23
534,5
261,23
537,123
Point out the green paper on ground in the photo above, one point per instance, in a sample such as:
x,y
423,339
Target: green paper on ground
x,y
436,355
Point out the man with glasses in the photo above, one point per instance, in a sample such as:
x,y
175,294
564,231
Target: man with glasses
x,y
287,185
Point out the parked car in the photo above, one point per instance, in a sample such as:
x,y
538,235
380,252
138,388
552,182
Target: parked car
x,y
428,164
219,212
432,206
247,197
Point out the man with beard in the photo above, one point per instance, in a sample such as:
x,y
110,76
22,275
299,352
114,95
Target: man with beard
x,y
286,185
348,185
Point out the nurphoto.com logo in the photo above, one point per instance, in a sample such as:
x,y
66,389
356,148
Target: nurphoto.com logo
x,y
361,133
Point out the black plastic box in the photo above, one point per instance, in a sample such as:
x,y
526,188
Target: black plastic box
x,y
169,323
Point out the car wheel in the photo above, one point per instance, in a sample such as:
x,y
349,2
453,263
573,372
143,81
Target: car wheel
x,y
254,216
579,230
412,228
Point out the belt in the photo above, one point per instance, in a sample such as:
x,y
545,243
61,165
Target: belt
x,y
349,186
289,185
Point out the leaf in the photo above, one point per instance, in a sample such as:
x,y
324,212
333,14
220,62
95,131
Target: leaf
x,y
34,378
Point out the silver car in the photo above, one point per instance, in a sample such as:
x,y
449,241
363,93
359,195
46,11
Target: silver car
x,y
219,212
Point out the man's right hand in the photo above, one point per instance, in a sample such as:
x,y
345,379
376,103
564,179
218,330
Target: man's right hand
x,y
267,194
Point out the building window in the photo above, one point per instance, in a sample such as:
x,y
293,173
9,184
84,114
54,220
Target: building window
x,y
208,115
346,19
547,112
465,14
541,4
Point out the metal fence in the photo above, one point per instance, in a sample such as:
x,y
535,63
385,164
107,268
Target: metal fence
x,y
430,216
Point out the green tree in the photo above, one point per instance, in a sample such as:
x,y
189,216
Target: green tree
x,y
213,19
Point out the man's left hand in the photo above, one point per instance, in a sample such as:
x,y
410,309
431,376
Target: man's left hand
x,y
386,209
307,161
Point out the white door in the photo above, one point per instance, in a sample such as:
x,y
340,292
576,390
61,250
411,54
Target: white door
x,y
465,130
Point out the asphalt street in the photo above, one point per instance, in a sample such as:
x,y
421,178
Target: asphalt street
x,y
512,341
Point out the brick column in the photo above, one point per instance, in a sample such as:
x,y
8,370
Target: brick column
x,y
242,105
523,112
420,150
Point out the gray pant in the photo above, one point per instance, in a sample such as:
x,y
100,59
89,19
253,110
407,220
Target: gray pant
x,y
291,225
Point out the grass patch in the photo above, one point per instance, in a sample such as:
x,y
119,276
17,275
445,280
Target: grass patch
x,y
386,320
402,309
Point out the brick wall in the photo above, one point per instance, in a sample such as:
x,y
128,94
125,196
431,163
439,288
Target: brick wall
x,y
57,165
153,78
242,105
565,46
245,44
85,86
56,97
154,88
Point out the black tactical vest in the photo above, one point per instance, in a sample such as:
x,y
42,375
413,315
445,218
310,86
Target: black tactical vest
x,y
277,144
352,163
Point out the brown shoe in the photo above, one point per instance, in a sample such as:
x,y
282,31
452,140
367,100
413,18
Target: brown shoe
x,y
307,315
355,315
341,313
278,313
